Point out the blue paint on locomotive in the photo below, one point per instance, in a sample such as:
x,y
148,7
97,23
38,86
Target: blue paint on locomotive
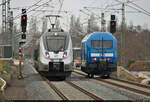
x,y
96,47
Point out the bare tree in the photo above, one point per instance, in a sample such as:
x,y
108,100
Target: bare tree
x,y
92,24
78,28
44,26
76,31
72,24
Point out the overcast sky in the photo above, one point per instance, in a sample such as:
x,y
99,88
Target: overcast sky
x,y
74,7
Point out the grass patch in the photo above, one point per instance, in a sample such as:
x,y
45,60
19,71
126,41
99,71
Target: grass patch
x,y
129,79
5,73
1,84
5,67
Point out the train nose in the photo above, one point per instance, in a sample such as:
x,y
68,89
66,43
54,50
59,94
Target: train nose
x,y
58,55
56,66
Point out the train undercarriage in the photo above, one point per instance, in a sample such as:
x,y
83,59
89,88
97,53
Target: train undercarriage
x,y
103,69
54,69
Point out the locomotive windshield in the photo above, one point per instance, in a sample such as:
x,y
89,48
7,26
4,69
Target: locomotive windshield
x,y
99,44
55,43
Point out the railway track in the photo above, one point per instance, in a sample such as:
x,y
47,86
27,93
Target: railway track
x,y
84,91
133,87
140,85
59,93
63,97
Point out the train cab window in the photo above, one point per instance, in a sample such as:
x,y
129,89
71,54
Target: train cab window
x,y
56,43
99,44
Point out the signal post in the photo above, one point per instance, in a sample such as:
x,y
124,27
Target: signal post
x,y
112,24
23,40
20,55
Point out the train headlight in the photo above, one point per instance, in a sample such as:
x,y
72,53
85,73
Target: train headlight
x,y
47,54
94,59
55,34
65,54
108,59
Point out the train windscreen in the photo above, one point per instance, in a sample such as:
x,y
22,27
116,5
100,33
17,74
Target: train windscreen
x,y
99,44
55,43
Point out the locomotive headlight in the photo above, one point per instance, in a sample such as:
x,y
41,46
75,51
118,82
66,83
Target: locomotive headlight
x,y
108,59
65,54
94,59
47,54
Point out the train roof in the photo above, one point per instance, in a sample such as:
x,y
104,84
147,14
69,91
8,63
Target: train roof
x,y
55,32
97,34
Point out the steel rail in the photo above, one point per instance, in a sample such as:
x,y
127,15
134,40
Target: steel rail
x,y
84,91
122,86
132,83
59,93
125,81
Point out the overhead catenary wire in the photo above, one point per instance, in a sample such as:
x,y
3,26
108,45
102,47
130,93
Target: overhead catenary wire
x,y
98,17
37,13
141,8
34,4
112,5
109,7
84,12
39,6
16,17
91,8
106,4
102,9
128,1
32,9
93,13
61,4
138,10
59,10
28,7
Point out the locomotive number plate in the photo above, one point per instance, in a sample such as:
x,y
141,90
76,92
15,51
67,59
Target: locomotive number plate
x,y
56,56
56,63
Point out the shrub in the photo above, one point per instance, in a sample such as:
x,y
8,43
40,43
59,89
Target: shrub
x,y
131,62
5,67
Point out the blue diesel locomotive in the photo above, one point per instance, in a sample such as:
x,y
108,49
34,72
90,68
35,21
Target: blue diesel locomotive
x,y
99,54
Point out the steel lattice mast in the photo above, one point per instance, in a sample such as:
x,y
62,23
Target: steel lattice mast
x,y
3,16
